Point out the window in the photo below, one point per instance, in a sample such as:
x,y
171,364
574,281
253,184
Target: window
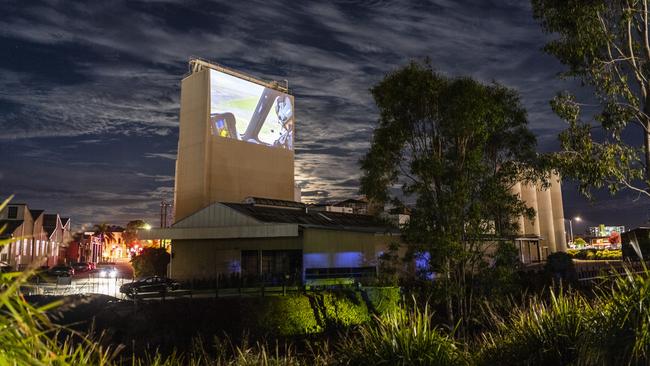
x,y
12,213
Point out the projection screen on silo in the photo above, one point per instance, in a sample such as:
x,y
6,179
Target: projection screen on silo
x,y
247,111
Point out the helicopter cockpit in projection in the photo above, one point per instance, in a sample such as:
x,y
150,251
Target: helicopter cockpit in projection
x,y
250,112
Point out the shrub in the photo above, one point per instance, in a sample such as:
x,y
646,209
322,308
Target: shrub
x,y
400,338
286,316
560,266
623,322
539,333
152,261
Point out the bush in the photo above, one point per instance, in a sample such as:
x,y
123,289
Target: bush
x,y
623,322
400,338
286,316
595,254
560,266
539,333
151,262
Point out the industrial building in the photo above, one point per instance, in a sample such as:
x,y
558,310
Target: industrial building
x,y
236,206
546,232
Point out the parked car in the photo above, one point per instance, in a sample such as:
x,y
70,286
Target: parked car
x,y
81,267
61,271
150,284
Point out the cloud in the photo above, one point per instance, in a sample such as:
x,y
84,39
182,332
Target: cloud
x,y
113,72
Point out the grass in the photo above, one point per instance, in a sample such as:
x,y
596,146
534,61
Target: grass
x,y
401,338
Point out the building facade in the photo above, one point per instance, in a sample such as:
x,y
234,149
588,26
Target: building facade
x,y
274,239
35,237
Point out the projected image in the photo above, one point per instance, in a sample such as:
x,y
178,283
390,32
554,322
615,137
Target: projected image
x,y
250,112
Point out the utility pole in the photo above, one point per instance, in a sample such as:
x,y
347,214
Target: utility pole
x,y
163,217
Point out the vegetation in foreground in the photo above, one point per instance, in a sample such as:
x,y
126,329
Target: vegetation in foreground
x,y
607,327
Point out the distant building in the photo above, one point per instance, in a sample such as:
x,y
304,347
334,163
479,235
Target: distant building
x,y
605,231
37,238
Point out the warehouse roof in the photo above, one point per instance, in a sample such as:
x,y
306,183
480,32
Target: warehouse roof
x,y
304,217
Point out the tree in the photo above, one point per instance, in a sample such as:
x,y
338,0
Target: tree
x,y
606,45
105,232
152,261
453,148
579,242
131,232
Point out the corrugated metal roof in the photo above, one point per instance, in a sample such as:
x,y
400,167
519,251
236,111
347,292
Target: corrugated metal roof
x,y
305,217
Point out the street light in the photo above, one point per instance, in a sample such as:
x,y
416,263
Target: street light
x,y
578,219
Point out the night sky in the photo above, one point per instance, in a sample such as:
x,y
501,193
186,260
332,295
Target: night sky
x,y
89,91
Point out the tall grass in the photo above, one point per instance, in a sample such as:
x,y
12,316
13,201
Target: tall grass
x,y
28,337
401,338
623,322
540,333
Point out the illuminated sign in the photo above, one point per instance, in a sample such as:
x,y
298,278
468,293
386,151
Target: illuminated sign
x,y
250,112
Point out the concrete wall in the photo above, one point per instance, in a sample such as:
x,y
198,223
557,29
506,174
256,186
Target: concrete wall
x,y
334,248
191,176
202,259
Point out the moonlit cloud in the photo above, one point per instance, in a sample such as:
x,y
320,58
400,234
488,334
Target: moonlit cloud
x,y
89,91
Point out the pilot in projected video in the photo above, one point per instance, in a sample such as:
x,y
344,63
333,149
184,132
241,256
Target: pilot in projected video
x,y
249,112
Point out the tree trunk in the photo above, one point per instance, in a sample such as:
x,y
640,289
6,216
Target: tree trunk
x,y
646,138
646,141
450,305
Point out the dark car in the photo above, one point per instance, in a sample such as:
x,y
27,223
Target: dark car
x,y
81,267
61,271
150,284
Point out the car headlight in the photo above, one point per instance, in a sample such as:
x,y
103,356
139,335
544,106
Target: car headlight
x,y
113,274
102,273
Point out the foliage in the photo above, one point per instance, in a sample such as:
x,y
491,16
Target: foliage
x,y
130,234
389,266
150,262
456,147
595,254
539,333
623,321
580,242
605,45
286,316
560,266
401,338
105,233
501,280
614,238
